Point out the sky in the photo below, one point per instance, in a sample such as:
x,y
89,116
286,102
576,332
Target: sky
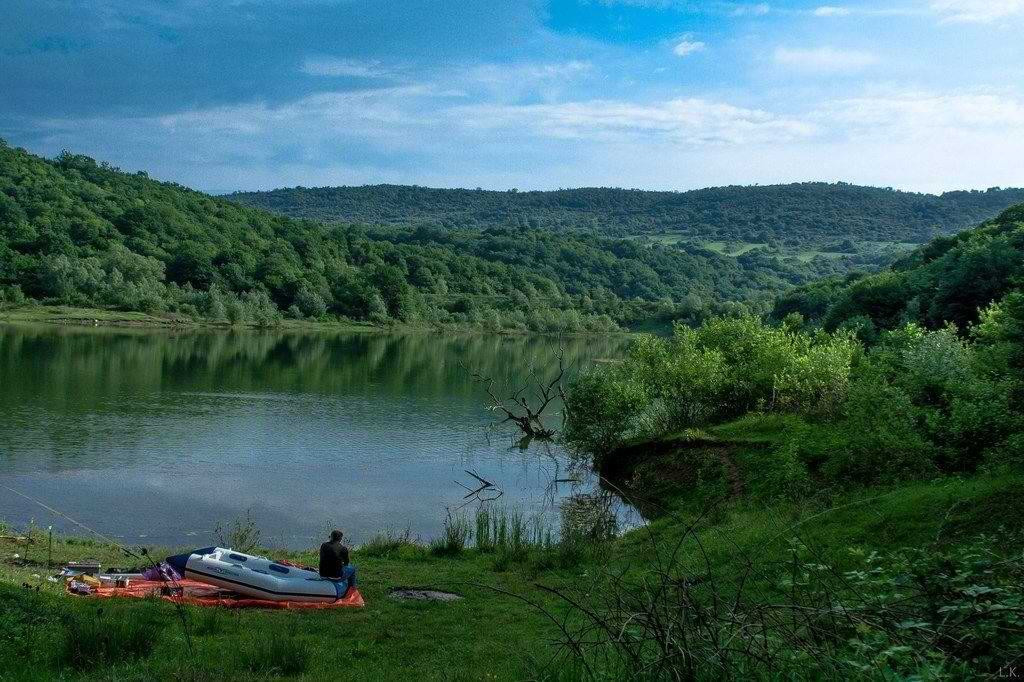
x,y
222,95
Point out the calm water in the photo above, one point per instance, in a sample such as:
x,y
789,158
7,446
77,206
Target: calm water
x,y
155,437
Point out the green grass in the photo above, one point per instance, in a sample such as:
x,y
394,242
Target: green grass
x,y
488,634
732,248
389,639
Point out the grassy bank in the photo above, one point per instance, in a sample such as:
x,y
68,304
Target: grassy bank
x,y
389,639
712,520
101,317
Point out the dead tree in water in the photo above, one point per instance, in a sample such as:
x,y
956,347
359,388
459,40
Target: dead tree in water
x,y
525,407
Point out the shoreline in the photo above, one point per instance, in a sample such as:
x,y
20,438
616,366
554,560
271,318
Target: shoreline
x,y
71,316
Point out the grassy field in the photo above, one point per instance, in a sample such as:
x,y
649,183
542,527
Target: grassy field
x,y
484,636
709,496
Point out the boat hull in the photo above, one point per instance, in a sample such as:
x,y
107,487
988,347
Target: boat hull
x,y
256,576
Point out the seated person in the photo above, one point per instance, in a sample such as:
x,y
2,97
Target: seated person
x,y
334,559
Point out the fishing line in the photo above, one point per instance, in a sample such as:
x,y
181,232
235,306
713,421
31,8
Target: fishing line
x,y
77,523
144,557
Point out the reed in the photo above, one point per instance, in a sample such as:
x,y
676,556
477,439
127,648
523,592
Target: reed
x,y
388,543
454,538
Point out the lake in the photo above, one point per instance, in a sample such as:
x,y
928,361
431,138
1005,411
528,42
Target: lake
x,y
158,436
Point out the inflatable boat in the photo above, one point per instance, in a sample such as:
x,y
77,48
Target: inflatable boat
x,y
256,576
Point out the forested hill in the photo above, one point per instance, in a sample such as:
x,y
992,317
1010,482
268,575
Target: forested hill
x,y
967,280
77,232
793,215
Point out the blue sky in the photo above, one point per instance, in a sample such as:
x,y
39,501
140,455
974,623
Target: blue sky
x,y
665,94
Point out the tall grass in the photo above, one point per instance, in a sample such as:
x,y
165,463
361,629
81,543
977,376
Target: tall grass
x,y
389,542
94,639
454,538
274,656
501,530
939,612
514,539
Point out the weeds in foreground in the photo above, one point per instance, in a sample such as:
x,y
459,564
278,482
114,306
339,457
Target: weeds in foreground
x,y
286,655
933,613
211,622
94,639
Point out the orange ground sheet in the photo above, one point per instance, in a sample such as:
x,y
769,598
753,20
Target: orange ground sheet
x,y
192,592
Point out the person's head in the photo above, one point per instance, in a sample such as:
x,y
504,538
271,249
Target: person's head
x,y
336,535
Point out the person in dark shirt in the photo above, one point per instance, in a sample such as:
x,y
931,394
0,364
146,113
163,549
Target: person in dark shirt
x,y
333,557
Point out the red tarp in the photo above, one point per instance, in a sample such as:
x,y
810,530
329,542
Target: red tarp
x,y
192,592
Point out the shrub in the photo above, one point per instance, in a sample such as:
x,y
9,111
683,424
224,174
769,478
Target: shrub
x,y
723,369
242,534
877,439
311,303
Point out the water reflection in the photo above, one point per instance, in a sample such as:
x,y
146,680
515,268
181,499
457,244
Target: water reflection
x,y
163,433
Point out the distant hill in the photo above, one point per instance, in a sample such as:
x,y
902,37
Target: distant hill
x,y
795,215
78,232
949,280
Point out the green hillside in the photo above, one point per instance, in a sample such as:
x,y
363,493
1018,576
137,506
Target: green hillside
x,y
81,233
790,215
974,276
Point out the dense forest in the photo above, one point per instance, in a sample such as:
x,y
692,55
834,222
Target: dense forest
x,y
792,215
77,232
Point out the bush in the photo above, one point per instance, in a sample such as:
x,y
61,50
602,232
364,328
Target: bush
x,y
877,438
242,534
12,294
723,369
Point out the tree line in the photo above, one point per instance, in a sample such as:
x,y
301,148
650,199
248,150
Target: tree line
x,y
794,215
77,232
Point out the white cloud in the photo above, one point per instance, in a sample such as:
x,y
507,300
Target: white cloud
x,y
546,81
757,10
522,72
977,11
824,59
832,11
687,47
925,114
335,66
693,121
358,110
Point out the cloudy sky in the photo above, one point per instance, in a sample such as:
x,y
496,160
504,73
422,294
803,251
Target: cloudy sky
x,y
668,94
